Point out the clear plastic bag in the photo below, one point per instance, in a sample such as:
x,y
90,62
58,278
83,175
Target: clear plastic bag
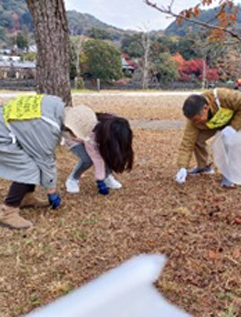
x,y
227,156
125,291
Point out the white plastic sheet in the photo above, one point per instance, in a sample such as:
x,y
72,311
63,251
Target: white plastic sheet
x,y
227,156
126,291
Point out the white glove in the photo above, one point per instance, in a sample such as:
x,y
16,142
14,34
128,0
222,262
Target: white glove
x,y
181,175
227,132
62,141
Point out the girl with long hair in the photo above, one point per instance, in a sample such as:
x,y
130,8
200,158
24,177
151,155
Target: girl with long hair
x,y
108,149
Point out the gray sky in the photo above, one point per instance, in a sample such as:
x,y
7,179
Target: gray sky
x,y
130,14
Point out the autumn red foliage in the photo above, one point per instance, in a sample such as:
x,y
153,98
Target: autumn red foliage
x,y
194,68
212,75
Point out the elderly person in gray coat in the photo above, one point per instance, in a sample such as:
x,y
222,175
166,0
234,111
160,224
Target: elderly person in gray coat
x,y
30,130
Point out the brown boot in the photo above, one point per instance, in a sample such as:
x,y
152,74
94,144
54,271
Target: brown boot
x,y
9,216
29,200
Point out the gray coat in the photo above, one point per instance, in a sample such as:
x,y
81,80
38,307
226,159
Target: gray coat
x,y
31,159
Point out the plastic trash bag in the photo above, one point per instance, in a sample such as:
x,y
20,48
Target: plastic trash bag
x,y
227,156
125,291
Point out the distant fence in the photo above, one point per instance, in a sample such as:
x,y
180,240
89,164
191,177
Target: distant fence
x,y
17,84
136,85
30,84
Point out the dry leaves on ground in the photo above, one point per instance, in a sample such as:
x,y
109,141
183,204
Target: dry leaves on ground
x,y
196,225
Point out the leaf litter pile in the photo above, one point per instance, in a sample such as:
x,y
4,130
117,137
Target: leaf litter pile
x,y
197,225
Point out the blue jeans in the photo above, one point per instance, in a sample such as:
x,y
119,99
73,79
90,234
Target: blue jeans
x,y
84,162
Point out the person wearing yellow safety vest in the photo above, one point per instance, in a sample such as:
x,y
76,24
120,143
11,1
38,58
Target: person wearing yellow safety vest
x,y
30,130
213,110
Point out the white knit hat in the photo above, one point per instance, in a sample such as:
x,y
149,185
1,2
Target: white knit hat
x,y
81,120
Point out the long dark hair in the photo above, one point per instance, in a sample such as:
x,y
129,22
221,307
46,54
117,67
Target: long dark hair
x,y
114,140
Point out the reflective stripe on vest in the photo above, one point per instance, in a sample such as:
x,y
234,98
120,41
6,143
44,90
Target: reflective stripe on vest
x,y
53,123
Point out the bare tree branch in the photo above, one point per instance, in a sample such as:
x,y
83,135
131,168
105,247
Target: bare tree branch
x,y
170,6
169,11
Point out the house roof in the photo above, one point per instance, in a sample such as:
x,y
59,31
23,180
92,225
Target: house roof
x,y
127,63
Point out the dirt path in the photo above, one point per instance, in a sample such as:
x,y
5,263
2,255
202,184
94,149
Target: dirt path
x,y
107,93
136,93
157,124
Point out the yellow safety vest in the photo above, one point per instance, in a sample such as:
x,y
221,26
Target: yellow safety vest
x,y
23,108
222,116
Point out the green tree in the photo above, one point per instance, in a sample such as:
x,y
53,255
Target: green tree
x,y
99,34
72,62
101,60
165,69
165,43
132,45
22,41
187,47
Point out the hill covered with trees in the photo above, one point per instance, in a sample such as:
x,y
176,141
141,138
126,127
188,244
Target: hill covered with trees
x,y
87,24
15,17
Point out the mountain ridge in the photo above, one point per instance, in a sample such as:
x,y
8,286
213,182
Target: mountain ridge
x,y
205,16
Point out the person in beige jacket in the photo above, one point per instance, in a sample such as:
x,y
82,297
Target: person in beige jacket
x,y
212,111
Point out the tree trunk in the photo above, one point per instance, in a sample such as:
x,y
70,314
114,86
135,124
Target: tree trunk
x,y
146,45
52,40
204,73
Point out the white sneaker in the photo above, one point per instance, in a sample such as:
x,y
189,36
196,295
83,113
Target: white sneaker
x,y
72,186
112,183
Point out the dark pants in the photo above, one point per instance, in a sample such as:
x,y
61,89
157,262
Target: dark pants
x,y
16,193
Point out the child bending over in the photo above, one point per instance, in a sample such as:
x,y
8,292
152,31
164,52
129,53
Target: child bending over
x,y
109,148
